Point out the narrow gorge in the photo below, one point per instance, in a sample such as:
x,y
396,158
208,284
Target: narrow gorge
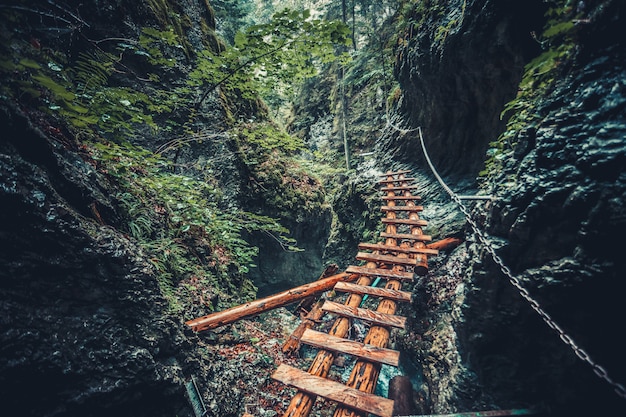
x,y
164,160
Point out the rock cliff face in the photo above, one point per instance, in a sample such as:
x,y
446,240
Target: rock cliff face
x,y
559,189
84,327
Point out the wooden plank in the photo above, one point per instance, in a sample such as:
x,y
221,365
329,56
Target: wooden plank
x,y
370,353
401,197
402,208
396,180
374,317
388,259
444,244
378,272
393,173
374,291
419,238
398,249
292,344
400,188
408,222
302,403
334,391
255,307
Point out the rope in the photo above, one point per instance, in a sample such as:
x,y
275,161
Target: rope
x,y
582,354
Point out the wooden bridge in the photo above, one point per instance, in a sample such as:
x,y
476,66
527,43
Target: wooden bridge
x,y
395,261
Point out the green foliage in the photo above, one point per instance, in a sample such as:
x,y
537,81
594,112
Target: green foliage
x,y
274,57
559,43
177,220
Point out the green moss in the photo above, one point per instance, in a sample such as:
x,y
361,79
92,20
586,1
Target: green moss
x,y
540,74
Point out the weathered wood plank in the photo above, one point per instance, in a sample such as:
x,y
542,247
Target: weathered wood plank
x,y
402,208
374,291
447,243
384,273
371,353
255,307
334,391
389,181
374,317
400,188
398,249
401,197
420,238
408,222
394,173
373,257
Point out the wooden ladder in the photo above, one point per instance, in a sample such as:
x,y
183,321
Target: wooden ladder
x,y
396,260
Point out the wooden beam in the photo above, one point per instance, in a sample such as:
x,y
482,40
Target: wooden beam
x,y
396,180
374,291
253,308
374,317
292,344
302,403
401,188
420,238
398,249
378,272
371,353
445,244
408,222
402,208
388,259
334,391
401,197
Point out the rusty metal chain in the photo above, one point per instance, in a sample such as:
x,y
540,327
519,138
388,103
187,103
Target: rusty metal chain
x,y
581,353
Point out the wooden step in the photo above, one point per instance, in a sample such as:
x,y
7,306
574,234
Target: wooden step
x,y
419,238
397,249
402,208
395,295
378,272
396,180
394,173
408,222
374,317
334,391
401,197
370,353
388,259
401,188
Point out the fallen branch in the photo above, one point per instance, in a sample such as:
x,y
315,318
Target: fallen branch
x,y
271,302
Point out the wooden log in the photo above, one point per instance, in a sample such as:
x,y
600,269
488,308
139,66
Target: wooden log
x,y
397,249
401,197
383,273
302,403
387,259
292,345
401,188
334,391
391,181
402,393
374,317
374,291
411,236
306,304
448,243
323,340
409,222
253,308
364,375
402,208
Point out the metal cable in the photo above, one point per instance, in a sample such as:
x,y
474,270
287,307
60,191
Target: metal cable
x,y
581,353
